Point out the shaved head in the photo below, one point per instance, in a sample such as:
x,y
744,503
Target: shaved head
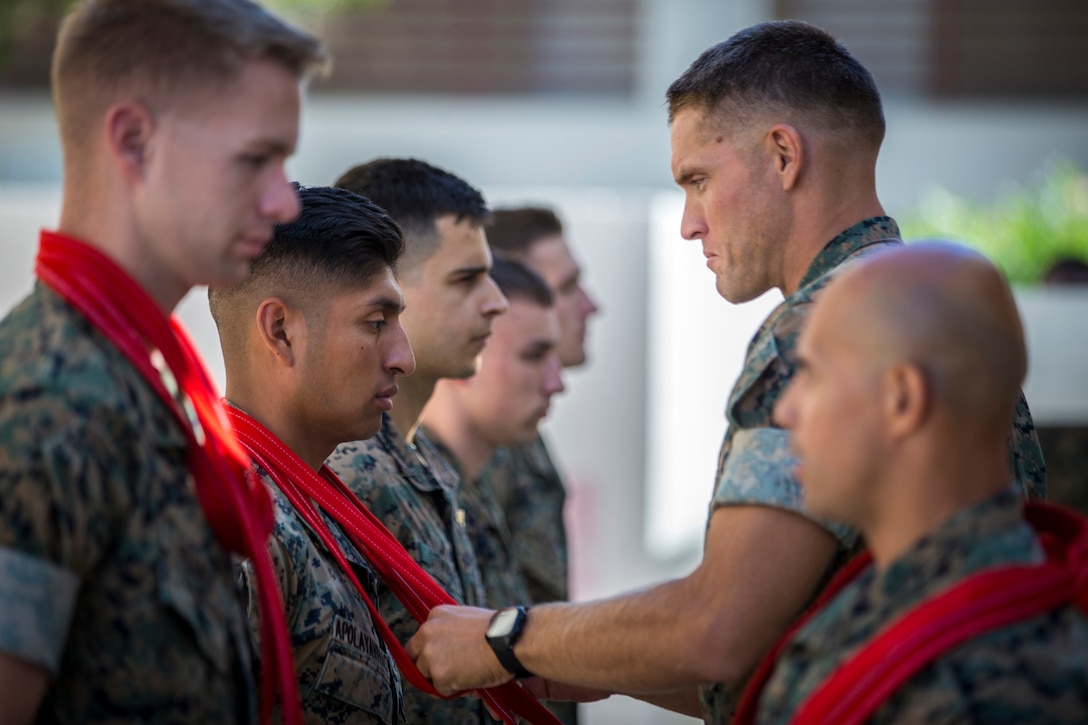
x,y
908,379
945,309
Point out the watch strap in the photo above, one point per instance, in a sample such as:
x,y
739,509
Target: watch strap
x,y
503,647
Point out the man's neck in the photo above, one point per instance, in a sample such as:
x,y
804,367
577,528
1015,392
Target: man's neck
x,y
414,393
289,431
472,452
834,220
924,498
120,246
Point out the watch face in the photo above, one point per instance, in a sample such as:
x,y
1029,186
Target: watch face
x,y
502,623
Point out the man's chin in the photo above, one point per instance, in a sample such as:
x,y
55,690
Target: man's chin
x,y
466,370
574,359
368,429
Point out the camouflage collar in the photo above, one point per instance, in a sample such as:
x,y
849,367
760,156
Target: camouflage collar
x,y
420,464
988,533
442,448
863,234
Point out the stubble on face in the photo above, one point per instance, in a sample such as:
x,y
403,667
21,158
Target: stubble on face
x,y
451,302
729,206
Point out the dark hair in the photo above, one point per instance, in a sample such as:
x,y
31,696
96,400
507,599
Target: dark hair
x,y
155,50
512,232
517,281
415,194
338,240
785,63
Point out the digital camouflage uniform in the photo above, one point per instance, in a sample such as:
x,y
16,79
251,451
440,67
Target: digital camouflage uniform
x,y
531,495
110,577
413,491
755,465
504,584
346,675
1034,671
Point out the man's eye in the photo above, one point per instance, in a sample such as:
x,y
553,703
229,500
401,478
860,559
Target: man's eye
x,y
255,161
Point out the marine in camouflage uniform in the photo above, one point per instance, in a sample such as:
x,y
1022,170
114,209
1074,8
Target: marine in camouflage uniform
x,y
755,465
506,561
531,495
110,577
346,675
504,584
1033,671
414,492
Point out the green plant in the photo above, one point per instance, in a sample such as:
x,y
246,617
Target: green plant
x,y
1024,232
20,17
318,7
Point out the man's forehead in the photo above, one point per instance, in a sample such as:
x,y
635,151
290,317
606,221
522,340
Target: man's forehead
x,y
380,290
461,242
528,317
552,255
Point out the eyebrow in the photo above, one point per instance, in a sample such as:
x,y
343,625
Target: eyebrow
x,y
386,304
270,146
467,272
570,279
546,345
685,175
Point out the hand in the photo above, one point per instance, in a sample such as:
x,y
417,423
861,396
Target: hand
x,y
543,689
451,650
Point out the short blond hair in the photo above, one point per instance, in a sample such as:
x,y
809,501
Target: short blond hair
x,y
164,50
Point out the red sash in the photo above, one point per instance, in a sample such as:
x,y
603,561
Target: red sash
x,y
413,586
237,507
981,603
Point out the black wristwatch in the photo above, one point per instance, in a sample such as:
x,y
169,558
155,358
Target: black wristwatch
x,y
503,633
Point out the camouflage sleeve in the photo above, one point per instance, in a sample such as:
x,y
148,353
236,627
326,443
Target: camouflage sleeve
x,y
1026,455
62,486
759,470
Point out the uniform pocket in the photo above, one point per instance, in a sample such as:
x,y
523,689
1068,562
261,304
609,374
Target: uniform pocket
x,y
358,676
189,585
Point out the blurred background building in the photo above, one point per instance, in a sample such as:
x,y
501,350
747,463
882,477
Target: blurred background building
x,y
560,102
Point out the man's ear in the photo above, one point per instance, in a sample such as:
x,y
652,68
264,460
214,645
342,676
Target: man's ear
x,y
278,329
908,399
787,150
129,128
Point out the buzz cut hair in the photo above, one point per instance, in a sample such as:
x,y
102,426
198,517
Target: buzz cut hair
x,y
782,65
338,242
416,194
163,52
518,282
512,232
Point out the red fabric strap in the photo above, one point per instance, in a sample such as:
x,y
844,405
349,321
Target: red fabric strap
x,y
749,702
979,604
413,586
237,507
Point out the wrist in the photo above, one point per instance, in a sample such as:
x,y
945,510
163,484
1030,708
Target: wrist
x,y
506,628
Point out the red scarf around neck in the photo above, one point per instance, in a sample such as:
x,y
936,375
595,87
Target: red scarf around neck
x,y
981,603
413,586
237,507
